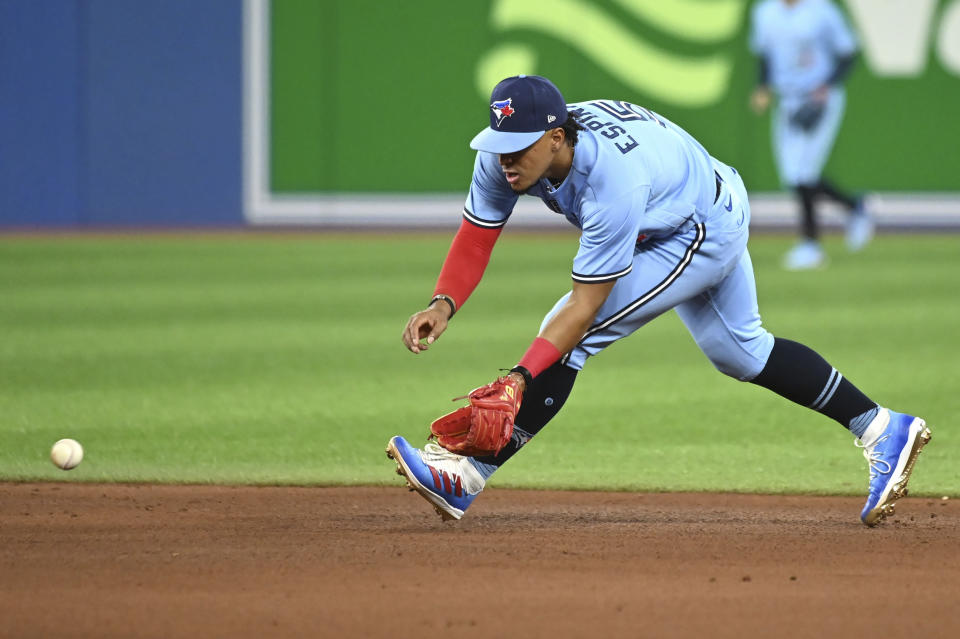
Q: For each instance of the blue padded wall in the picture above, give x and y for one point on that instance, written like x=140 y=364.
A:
x=165 y=117
x=39 y=113
x=120 y=113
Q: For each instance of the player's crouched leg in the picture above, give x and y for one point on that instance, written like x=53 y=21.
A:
x=891 y=442
x=738 y=353
x=725 y=323
x=541 y=402
x=451 y=482
x=739 y=357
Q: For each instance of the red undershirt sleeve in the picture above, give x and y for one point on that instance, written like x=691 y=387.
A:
x=466 y=261
x=541 y=355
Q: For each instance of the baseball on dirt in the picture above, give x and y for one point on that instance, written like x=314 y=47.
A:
x=66 y=454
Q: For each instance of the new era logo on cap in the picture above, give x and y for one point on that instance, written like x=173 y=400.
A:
x=521 y=109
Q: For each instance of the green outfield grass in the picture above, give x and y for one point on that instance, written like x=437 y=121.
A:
x=276 y=359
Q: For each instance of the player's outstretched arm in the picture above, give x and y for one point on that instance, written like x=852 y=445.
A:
x=462 y=270
x=485 y=427
x=423 y=328
x=566 y=328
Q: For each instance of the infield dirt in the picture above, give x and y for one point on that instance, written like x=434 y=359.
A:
x=83 y=560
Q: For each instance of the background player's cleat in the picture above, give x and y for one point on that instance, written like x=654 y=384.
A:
x=448 y=481
x=804 y=256
x=890 y=445
x=860 y=227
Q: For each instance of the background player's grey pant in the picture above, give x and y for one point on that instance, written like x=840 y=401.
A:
x=801 y=154
x=705 y=273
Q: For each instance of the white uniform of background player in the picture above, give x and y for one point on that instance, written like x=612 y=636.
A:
x=806 y=50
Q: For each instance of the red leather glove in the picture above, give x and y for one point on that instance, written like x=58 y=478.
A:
x=485 y=426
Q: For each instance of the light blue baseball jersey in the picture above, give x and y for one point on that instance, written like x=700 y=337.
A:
x=635 y=175
x=801 y=42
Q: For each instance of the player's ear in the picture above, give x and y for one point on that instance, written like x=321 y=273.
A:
x=557 y=137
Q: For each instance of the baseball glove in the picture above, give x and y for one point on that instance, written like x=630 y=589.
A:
x=485 y=426
x=808 y=115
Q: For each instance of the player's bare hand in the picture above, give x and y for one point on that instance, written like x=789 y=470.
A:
x=760 y=100
x=424 y=328
x=821 y=93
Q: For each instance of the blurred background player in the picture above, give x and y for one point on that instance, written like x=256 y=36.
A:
x=806 y=50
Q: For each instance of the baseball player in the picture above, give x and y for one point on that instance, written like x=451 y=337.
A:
x=806 y=50
x=663 y=226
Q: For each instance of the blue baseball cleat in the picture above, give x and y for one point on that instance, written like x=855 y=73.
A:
x=890 y=445
x=446 y=480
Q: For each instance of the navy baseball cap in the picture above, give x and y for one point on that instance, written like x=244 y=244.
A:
x=521 y=109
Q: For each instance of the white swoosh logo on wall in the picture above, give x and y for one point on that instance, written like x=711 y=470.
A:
x=681 y=80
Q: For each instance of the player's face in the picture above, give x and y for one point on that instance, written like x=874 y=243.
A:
x=524 y=168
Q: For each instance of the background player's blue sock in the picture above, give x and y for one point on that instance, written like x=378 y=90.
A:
x=544 y=399
x=801 y=375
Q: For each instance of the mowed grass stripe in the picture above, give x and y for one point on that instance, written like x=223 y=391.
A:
x=277 y=359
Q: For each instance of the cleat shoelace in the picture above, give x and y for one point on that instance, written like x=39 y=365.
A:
x=433 y=452
x=873 y=458
x=436 y=456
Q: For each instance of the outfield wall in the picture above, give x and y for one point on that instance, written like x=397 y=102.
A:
x=321 y=112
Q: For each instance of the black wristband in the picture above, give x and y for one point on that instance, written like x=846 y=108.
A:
x=527 y=377
x=445 y=298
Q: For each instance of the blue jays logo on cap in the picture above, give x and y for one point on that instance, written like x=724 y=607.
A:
x=502 y=109
x=522 y=108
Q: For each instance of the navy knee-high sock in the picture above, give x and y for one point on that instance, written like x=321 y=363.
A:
x=801 y=375
x=543 y=400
